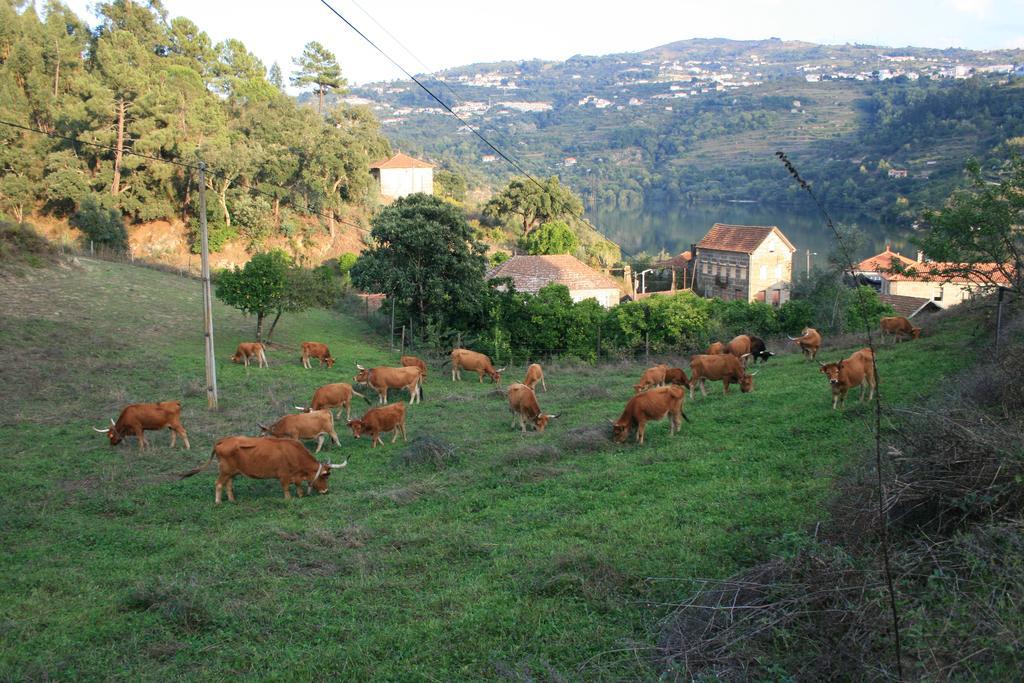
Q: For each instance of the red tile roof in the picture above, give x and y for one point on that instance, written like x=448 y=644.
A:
x=530 y=273
x=679 y=261
x=883 y=262
x=907 y=306
x=984 y=274
x=741 y=238
x=401 y=161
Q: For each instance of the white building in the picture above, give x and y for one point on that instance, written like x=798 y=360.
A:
x=403 y=175
x=530 y=273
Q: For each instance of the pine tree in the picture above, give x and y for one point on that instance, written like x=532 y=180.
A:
x=318 y=66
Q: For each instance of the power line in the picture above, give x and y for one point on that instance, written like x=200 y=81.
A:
x=304 y=204
x=512 y=162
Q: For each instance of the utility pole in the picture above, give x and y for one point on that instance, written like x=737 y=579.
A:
x=809 y=254
x=211 y=369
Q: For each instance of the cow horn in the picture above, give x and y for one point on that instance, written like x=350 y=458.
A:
x=744 y=355
x=751 y=374
x=501 y=369
x=337 y=467
x=112 y=423
x=792 y=338
x=552 y=416
x=101 y=431
x=360 y=367
x=300 y=408
x=610 y=421
x=821 y=364
x=263 y=427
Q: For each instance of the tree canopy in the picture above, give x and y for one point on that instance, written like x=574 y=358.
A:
x=424 y=257
x=534 y=203
x=318 y=66
x=553 y=237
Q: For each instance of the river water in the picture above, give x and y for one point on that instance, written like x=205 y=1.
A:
x=674 y=227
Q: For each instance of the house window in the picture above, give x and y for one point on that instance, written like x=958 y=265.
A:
x=938 y=294
x=778 y=272
x=742 y=273
x=705 y=267
x=764 y=272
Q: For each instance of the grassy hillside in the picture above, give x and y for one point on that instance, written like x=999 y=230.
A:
x=528 y=556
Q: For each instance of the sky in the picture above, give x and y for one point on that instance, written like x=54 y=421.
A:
x=447 y=33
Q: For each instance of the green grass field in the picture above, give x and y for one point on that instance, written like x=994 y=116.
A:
x=529 y=557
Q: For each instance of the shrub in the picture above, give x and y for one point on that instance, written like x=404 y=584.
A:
x=101 y=224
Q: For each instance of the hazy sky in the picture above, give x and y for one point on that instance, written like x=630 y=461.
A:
x=446 y=33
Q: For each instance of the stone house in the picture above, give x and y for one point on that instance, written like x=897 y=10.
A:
x=403 y=175
x=745 y=262
x=530 y=273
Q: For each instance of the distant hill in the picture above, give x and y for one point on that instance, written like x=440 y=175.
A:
x=700 y=119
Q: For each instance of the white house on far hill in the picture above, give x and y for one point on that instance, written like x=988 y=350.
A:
x=402 y=175
x=530 y=273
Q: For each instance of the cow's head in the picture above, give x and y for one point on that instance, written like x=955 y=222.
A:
x=747 y=382
x=495 y=375
x=831 y=370
x=319 y=480
x=264 y=429
x=637 y=388
x=915 y=332
x=113 y=434
x=541 y=421
x=363 y=376
x=329 y=360
x=620 y=430
x=357 y=427
x=237 y=358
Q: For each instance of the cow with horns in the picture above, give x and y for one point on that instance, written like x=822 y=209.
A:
x=138 y=418
x=286 y=460
x=857 y=370
x=809 y=342
x=251 y=350
x=725 y=367
x=522 y=401
x=464 y=359
x=650 y=405
x=317 y=424
x=383 y=378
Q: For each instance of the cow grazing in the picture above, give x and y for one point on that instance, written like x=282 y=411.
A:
x=535 y=374
x=716 y=349
x=522 y=401
x=898 y=326
x=809 y=342
x=858 y=369
x=650 y=405
x=748 y=346
x=725 y=367
x=652 y=377
x=318 y=351
x=286 y=460
x=384 y=378
x=138 y=418
x=379 y=421
x=247 y=350
x=338 y=395
x=414 y=362
x=676 y=376
x=464 y=359
x=313 y=425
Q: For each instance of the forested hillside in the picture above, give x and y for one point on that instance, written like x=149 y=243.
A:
x=161 y=88
x=701 y=119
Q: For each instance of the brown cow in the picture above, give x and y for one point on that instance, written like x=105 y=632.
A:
x=137 y=418
x=247 y=350
x=535 y=374
x=286 y=460
x=858 y=369
x=716 y=349
x=809 y=342
x=314 y=425
x=377 y=421
x=337 y=395
x=384 y=378
x=676 y=376
x=652 y=377
x=725 y=367
x=414 y=362
x=464 y=359
x=897 y=326
x=316 y=350
x=522 y=401
x=747 y=346
x=650 y=405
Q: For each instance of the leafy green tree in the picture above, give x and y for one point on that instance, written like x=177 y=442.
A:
x=305 y=289
x=449 y=185
x=425 y=258
x=101 y=224
x=553 y=237
x=533 y=203
x=865 y=309
x=275 y=76
x=318 y=66
x=258 y=288
x=978 y=233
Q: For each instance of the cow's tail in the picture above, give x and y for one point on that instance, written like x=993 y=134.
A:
x=199 y=469
x=362 y=396
x=419 y=390
x=447 y=362
x=684 y=416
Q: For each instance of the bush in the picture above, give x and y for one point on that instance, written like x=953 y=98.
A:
x=254 y=219
x=100 y=224
x=555 y=237
x=865 y=309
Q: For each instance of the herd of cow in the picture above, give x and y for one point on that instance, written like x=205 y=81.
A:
x=278 y=453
